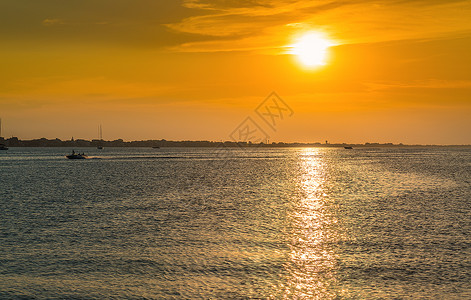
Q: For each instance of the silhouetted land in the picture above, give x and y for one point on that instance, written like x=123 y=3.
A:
x=43 y=142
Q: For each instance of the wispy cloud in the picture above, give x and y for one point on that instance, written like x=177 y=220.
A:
x=52 y=22
x=251 y=24
x=419 y=84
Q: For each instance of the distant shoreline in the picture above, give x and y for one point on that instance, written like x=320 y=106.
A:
x=43 y=142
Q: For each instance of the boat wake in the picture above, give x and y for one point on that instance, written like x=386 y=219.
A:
x=132 y=157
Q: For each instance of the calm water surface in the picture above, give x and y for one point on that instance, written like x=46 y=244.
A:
x=318 y=223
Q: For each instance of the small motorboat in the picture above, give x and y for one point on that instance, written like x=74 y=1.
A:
x=155 y=147
x=76 y=155
x=348 y=147
x=3 y=147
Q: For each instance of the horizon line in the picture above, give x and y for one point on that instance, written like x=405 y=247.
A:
x=92 y=142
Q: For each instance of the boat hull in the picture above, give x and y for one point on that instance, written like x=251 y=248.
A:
x=76 y=156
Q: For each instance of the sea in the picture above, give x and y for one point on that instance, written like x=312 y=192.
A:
x=227 y=223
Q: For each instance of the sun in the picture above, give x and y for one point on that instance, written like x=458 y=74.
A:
x=311 y=49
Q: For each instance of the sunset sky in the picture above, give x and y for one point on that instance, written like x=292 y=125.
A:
x=395 y=71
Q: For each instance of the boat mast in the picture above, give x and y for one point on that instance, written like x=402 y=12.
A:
x=100 y=133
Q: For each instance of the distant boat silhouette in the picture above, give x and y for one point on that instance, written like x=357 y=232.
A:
x=76 y=155
x=348 y=147
x=156 y=147
x=100 y=147
x=2 y=146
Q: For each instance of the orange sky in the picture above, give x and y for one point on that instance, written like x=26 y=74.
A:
x=400 y=71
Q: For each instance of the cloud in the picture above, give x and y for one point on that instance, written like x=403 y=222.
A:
x=121 y=23
x=271 y=23
x=419 y=84
x=52 y=22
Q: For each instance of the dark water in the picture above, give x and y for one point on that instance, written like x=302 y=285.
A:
x=262 y=223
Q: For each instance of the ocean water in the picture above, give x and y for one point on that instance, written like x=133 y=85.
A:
x=190 y=223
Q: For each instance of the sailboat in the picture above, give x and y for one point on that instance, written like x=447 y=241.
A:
x=2 y=146
x=100 y=133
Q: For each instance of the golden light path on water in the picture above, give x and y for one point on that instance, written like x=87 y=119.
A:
x=312 y=270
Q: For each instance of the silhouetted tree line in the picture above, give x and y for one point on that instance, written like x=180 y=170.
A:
x=43 y=142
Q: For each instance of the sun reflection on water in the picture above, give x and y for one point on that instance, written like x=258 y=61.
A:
x=312 y=260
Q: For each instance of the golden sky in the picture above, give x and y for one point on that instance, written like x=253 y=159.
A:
x=397 y=71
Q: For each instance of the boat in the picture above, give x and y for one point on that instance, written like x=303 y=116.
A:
x=348 y=147
x=2 y=146
x=76 y=155
x=155 y=147
x=100 y=147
